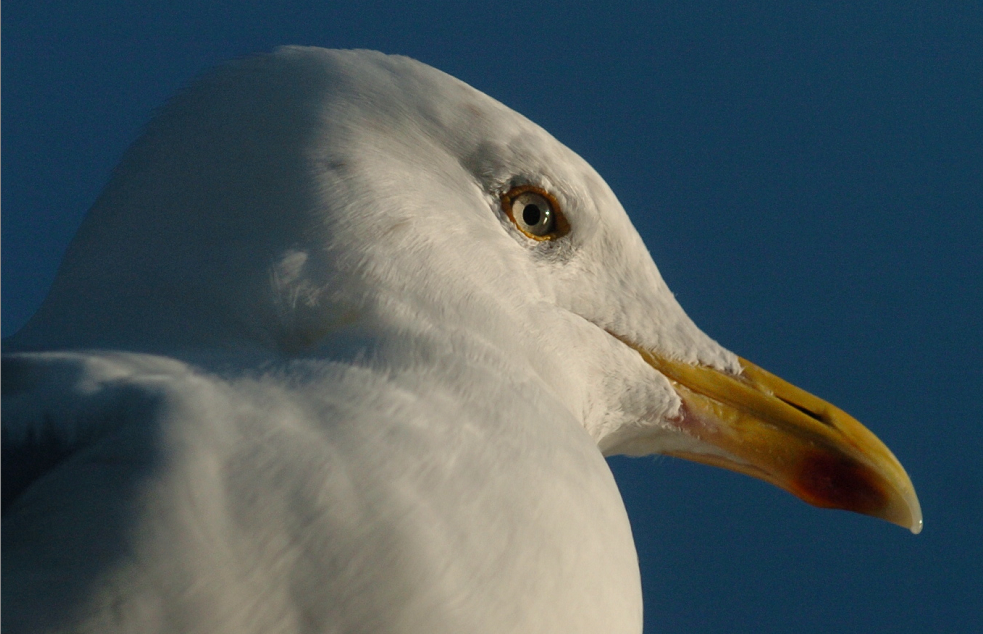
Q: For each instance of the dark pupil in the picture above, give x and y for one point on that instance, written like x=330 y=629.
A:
x=531 y=215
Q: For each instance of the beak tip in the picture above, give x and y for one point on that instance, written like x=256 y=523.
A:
x=915 y=510
x=881 y=489
x=901 y=506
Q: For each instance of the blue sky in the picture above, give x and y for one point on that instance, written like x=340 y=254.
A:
x=808 y=177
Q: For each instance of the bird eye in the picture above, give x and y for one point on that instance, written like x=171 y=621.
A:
x=534 y=212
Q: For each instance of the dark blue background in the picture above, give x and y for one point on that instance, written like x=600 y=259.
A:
x=808 y=177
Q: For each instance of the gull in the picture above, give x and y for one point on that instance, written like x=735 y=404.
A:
x=342 y=347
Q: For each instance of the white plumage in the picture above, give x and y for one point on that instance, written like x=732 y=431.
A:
x=300 y=372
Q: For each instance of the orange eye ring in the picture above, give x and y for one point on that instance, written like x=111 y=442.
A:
x=540 y=217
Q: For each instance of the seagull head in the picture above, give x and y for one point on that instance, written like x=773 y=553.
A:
x=300 y=202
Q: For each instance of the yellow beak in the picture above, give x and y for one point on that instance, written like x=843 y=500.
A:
x=763 y=426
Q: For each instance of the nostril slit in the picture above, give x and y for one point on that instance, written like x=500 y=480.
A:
x=808 y=412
